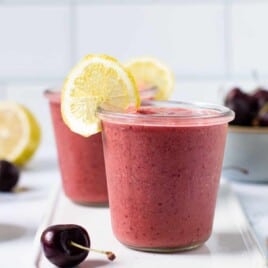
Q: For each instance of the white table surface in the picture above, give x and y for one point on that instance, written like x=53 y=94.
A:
x=254 y=201
x=231 y=243
x=23 y=212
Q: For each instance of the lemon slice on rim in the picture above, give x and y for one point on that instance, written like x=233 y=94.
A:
x=96 y=81
x=19 y=133
x=150 y=73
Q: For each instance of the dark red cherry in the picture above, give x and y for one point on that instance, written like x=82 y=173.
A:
x=67 y=245
x=244 y=105
x=56 y=242
x=261 y=94
x=9 y=176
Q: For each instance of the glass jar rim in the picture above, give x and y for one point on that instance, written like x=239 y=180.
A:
x=202 y=113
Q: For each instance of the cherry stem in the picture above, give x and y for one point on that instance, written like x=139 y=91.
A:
x=110 y=255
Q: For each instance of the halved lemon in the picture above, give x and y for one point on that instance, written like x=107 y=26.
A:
x=149 y=74
x=19 y=133
x=96 y=81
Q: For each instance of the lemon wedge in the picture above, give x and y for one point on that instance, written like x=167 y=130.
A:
x=96 y=81
x=19 y=133
x=150 y=73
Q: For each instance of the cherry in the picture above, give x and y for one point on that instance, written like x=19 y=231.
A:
x=250 y=109
x=9 y=176
x=244 y=105
x=67 y=245
x=261 y=95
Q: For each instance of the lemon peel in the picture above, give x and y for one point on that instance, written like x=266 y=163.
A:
x=96 y=81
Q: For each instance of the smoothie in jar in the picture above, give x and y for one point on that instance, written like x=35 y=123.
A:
x=163 y=166
x=80 y=160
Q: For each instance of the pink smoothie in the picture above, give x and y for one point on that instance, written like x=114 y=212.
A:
x=80 y=160
x=163 y=176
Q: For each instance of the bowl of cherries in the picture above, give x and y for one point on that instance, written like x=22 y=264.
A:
x=246 y=151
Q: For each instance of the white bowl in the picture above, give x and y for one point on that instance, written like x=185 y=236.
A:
x=246 y=154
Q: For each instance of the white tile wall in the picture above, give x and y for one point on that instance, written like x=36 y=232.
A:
x=201 y=40
x=201 y=91
x=249 y=38
x=35 y=41
x=187 y=37
x=205 y=39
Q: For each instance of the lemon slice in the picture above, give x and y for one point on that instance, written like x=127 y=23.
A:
x=96 y=81
x=19 y=133
x=150 y=73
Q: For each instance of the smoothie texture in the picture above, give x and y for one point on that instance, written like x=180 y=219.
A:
x=163 y=176
x=80 y=159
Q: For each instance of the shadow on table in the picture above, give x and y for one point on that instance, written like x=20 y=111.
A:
x=222 y=243
x=23 y=193
x=93 y=263
x=202 y=250
x=41 y=164
x=227 y=243
x=10 y=232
